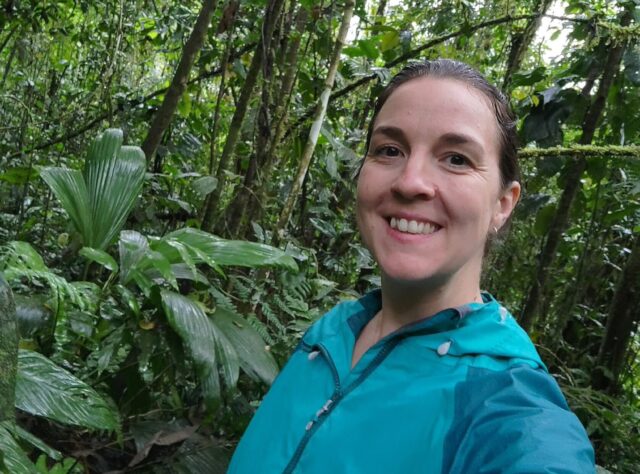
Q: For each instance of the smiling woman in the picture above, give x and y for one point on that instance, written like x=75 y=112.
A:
x=427 y=374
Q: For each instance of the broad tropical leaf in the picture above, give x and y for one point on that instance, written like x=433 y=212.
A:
x=35 y=442
x=254 y=357
x=193 y=326
x=12 y=457
x=8 y=351
x=208 y=346
x=132 y=246
x=43 y=388
x=99 y=199
x=229 y=252
x=101 y=257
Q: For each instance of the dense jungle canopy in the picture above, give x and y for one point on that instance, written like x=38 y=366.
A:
x=177 y=206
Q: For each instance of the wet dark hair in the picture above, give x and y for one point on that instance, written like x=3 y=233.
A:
x=450 y=69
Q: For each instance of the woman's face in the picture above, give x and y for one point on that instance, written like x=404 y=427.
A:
x=429 y=190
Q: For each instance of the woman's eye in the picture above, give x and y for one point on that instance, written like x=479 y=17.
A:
x=388 y=151
x=457 y=160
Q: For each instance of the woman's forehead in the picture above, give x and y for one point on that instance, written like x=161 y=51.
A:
x=442 y=105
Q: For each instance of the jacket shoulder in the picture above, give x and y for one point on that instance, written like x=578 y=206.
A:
x=515 y=421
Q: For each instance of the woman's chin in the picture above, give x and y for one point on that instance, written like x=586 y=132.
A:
x=410 y=277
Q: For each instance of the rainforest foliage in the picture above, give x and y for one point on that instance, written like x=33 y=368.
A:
x=177 y=206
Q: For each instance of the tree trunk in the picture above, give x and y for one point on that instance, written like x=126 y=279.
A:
x=521 y=41
x=211 y=205
x=622 y=321
x=235 y=211
x=178 y=85
x=229 y=26
x=318 y=119
x=8 y=352
x=577 y=166
x=246 y=205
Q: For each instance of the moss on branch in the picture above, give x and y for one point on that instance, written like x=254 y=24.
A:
x=584 y=151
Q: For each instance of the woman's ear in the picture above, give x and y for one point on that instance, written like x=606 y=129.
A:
x=506 y=203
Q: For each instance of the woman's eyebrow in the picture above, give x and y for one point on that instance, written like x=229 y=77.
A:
x=461 y=139
x=390 y=131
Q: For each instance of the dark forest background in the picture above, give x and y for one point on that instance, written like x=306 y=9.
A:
x=176 y=207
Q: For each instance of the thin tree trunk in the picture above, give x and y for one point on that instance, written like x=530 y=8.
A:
x=5 y=41
x=7 y=66
x=178 y=85
x=221 y=92
x=211 y=205
x=8 y=352
x=235 y=211
x=318 y=119
x=577 y=166
x=621 y=323
x=521 y=41
x=248 y=204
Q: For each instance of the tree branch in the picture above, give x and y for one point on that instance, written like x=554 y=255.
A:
x=583 y=151
x=122 y=106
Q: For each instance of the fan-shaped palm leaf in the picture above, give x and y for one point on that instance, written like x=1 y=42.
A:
x=99 y=199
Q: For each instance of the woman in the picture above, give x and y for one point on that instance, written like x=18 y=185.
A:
x=427 y=374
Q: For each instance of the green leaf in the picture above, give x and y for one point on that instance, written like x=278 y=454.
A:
x=99 y=199
x=19 y=175
x=204 y=185
x=193 y=326
x=22 y=261
x=543 y=220
x=529 y=78
x=23 y=255
x=44 y=389
x=71 y=190
x=191 y=457
x=36 y=443
x=163 y=266
x=114 y=181
x=129 y=298
x=12 y=457
x=369 y=48
x=353 y=52
x=132 y=247
x=101 y=257
x=233 y=252
x=389 y=40
x=254 y=357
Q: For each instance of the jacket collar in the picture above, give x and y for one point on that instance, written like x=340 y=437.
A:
x=476 y=329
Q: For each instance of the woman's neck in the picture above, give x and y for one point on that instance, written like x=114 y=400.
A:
x=404 y=303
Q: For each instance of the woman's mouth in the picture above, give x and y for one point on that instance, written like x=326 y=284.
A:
x=413 y=226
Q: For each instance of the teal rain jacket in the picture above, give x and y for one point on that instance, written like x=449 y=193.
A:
x=462 y=392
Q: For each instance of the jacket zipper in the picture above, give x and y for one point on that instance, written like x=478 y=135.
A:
x=338 y=394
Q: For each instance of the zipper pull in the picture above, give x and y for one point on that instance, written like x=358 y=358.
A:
x=324 y=409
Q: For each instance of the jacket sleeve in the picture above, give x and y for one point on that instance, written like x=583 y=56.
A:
x=515 y=421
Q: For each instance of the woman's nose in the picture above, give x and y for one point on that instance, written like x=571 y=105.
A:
x=416 y=180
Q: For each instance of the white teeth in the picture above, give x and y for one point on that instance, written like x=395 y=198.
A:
x=412 y=227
